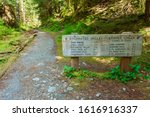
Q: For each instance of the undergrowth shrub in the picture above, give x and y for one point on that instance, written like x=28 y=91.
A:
x=4 y=30
x=56 y=26
x=124 y=77
x=78 y=27
x=71 y=72
x=52 y=25
x=115 y=74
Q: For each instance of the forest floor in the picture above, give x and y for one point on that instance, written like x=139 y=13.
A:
x=38 y=74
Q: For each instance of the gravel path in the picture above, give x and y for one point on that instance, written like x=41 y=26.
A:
x=35 y=74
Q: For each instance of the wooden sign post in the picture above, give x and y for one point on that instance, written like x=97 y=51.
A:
x=75 y=62
x=113 y=45
x=124 y=63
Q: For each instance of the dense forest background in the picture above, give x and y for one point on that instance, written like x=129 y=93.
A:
x=36 y=12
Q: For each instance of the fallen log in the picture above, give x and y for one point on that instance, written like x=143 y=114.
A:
x=7 y=52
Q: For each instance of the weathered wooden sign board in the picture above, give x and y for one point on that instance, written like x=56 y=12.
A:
x=124 y=45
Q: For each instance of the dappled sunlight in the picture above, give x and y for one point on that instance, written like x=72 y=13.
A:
x=145 y=31
x=59 y=57
x=107 y=60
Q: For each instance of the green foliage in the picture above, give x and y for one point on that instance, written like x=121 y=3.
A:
x=78 y=27
x=147 y=67
x=52 y=25
x=147 y=70
x=32 y=13
x=147 y=77
x=1 y=22
x=56 y=27
x=135 y=68
x=115 y=74
x=3 y=60
x=124 y=77
x=71 y=72
x=4 y=30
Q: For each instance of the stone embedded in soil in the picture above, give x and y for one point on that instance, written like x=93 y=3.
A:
x=51 y=89
x=23 y=54
x=57 y=85
x=36 y=79
x=26 y=77
x=40 y=64
x=65 y=91
x=133 y=89
x=65 y=84
x=70 y=88
x=76 y=84
x=82 y=98
x=44 y=81
x=41 y=72
x=77 y=97
x=91 y=79
x=34 y=75
x=124 y=89
x=37 y=86
x=62 y=73
x=98 y=94
x=84 y=63
x=48 y=67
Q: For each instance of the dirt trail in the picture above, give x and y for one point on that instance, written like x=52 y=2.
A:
x=36 y=75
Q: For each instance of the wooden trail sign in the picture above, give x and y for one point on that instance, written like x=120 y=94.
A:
x=120 y=45
x=102 y=45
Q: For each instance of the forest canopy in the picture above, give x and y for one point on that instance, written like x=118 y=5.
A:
x=31 y=12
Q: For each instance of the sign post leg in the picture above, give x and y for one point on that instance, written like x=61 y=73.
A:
x=75 y=62
x=124 y=64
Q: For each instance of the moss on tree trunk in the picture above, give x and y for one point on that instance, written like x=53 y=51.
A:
x=8 y=15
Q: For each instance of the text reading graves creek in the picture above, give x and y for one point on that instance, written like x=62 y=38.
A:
x=102 y=45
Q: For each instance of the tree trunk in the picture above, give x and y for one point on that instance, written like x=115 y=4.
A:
x=17 y=11
x=22 y=12
x=147 y=10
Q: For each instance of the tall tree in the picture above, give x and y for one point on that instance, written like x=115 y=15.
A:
x=147 y=10
x=22 y=12
x=17 y=11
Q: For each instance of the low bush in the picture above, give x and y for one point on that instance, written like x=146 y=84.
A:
x=4 y=30
x=78 y=27
x=115 y=74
